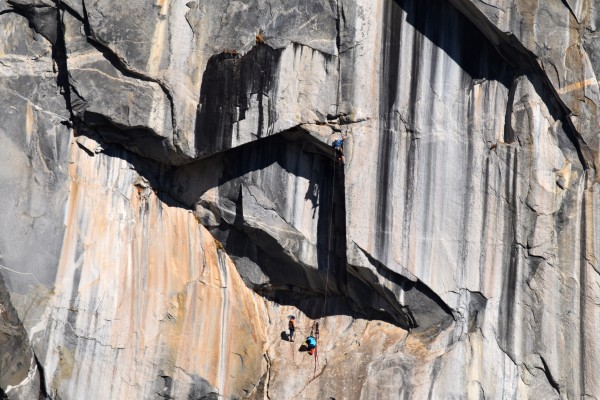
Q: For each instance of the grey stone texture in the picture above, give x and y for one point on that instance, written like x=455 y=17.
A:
x=170 y=197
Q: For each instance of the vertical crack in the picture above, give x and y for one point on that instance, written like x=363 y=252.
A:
x=566 y=3
x=43 y=392
x=59 y=55
x=338 y=41
x=549 y=376
x=509 y=133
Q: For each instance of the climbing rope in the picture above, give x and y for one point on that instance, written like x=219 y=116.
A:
x=314 y=331
x=316 y=350
x=294 y=356
x=329 y=240
x=316 y=323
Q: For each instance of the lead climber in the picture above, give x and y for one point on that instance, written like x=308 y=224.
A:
x=311 y=344
x=292 y=326
x=338 y=146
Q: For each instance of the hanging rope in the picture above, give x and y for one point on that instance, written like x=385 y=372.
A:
x=329 y=240
x=314 y=331
x=292 y=348
x=316 y=349
x=316 y=323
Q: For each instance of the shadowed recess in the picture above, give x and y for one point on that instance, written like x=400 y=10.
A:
x=227 y=84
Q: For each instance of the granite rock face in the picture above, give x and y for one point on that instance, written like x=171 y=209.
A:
x=170 y=197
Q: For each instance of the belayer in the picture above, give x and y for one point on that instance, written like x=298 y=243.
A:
x=311 y=344
x=292 y=326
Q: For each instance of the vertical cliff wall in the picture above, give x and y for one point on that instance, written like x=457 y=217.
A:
x=170 y=197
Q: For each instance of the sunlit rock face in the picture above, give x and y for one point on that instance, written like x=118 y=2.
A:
x=132 y=254
x=170 y=197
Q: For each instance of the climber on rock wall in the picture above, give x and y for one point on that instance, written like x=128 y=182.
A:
x=338 y=146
